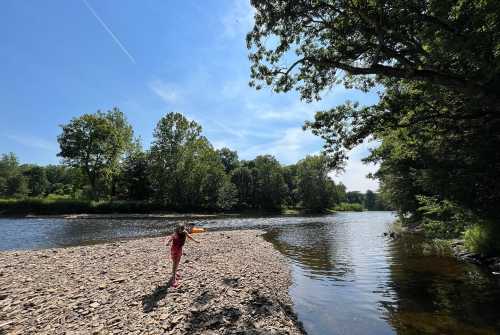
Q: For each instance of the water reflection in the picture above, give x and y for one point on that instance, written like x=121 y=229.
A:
x=36 y=233
x=438 y=295
x=55 y=232
x=348 y=278
x=309 y=246
x=337 y=270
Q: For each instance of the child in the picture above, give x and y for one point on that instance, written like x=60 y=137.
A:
x=178 y=238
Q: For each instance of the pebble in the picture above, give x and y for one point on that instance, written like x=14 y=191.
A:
x=121 y=288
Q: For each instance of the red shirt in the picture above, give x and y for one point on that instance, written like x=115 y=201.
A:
x=178 y=241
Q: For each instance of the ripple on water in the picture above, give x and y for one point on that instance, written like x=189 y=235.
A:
x=348 y=278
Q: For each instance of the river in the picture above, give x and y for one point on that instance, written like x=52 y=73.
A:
x=348 y=277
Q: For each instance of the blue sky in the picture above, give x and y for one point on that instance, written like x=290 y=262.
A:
x=64 y=58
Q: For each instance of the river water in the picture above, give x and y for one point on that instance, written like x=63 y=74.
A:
x=348 y=278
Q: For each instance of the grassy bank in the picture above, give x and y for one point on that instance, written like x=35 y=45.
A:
x=62 y=206
x=36 y=206
x=348 y=207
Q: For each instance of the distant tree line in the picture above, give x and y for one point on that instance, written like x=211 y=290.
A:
x=180 y=171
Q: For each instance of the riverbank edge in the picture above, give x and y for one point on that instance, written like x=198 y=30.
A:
x=456 y=248
x=246 y=292
x=41 y=207
x=461 y=253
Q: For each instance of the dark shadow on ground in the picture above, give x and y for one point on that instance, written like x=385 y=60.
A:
x=207 y=315
x=150 y=301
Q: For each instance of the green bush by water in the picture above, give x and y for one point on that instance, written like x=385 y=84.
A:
x=444 y=219
x=483 y=239
x=347 y=207
x=72 y=206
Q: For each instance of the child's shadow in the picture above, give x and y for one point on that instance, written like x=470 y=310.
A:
x=150 y=301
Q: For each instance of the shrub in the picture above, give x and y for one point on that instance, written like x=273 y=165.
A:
x=72 y=206
x=348 y=207
x=444 y=218
x=483 y=239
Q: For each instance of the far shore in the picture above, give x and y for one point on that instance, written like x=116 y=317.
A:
x=231 y=283
x=168 y=215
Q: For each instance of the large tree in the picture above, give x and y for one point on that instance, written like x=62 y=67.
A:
x=95 y=143
x=229 y=159
x=12 y=182
x=135 y=180
x=243 y=178
x=37 y=180
x=9 y=166
x=438 y=118
x=269 y=186
x=315 y=188
x=370 y=200
x=314 y=44
x=187 y=172
x=172 y=135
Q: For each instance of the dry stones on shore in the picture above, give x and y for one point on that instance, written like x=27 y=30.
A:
x=231 y=283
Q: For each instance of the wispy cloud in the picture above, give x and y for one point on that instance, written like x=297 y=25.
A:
x=356 y=171
x=166 y=91
x=33 y=142
x=289 y=146
x=108 y=30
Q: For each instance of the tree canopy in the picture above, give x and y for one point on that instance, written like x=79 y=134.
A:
x=95 y=143
x=436 y=67
x=314 y=45
x=181 y=170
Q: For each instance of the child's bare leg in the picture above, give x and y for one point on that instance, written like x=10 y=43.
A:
x=175 y=265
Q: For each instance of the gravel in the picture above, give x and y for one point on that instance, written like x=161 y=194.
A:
x=231 y=283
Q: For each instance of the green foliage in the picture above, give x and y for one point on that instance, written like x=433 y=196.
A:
x=443 y=219
x=227 y=196
x=181 y=171
x=37 y=181
x=173 y=134
x=318 y=44
x=370 y=200
x=348 y=207
x=260 y=184
x=483 y=239
x=9 y=167
x=355 y=197
x=438 y=117
x=315 y=188
x=16 y=186
x=269 y=187
x=242 y=178
x=58 y=205
x=95 y=143
x=229 y=159
x=186 y=171
x=340 y=190
x=134 y=182
x=292 y=197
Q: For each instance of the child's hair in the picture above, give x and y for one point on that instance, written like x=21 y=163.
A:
x=180 y=231
x=180 y=228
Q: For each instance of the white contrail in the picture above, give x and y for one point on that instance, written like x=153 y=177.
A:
x=117 y=41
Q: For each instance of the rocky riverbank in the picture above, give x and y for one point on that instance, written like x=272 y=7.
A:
x=492 y=263
x=231 y=283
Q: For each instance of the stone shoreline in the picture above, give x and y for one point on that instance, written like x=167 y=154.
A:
x=231 y=283
x=459 y=251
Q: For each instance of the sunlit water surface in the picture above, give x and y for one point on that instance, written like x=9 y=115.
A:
x=348 y=277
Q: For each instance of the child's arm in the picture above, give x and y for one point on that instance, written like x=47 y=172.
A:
x=169 y=240
x=191 y=238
